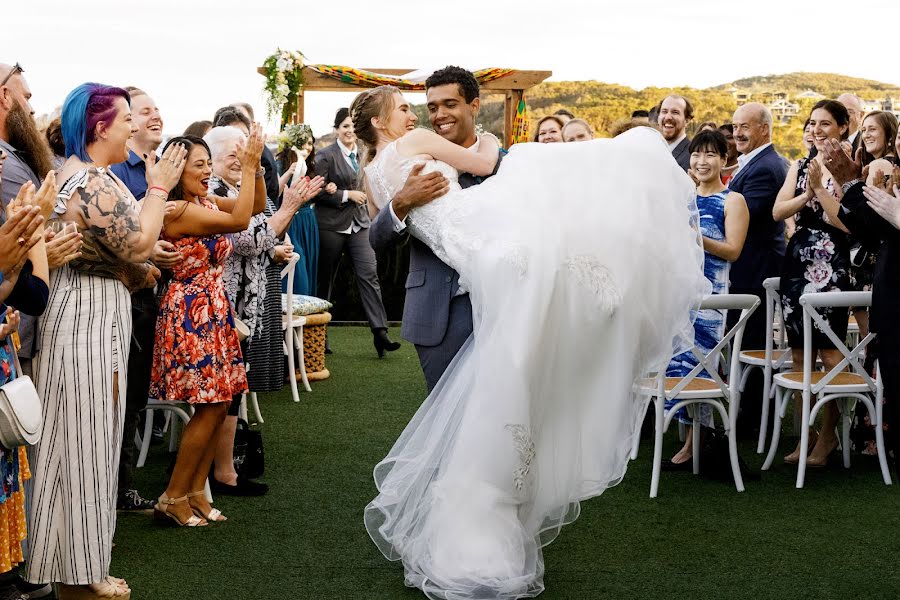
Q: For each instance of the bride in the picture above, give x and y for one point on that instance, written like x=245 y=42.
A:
x=582 y=266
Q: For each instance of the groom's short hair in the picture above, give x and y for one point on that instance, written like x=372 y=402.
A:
x=468 y=85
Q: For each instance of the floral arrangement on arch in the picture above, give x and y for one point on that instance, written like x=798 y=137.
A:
x=295 y=136
x=284 y=79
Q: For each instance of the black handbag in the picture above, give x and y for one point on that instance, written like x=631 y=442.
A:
x=249 y=457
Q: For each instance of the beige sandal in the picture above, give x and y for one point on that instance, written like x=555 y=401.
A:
x=111 y=588
x=215 y=515
x=161 y=512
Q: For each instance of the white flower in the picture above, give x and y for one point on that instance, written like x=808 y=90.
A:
x=282 y=64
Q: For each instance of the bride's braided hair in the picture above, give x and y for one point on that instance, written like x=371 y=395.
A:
x=376 y=102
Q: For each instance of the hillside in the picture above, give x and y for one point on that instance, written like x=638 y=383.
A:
x=603 y=104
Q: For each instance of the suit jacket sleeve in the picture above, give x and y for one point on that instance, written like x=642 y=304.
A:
x=325 y=167
x=381 y=232
x=760 y=192
x=864 y=223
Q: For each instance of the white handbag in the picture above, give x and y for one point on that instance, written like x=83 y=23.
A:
x=21 y=414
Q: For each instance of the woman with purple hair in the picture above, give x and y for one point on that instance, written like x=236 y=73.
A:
x=80 y=371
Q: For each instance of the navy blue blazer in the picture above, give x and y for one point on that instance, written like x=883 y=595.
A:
x=759 y=181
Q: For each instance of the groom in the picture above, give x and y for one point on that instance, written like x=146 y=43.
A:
x=437 y=316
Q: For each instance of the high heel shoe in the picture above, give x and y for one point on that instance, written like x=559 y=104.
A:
x=161 y=512
x=818 y=463
x=794 y=457
x=215 y=515
x=383 y=343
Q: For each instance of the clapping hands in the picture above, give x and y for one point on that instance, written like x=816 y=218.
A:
x=249 y=152
x=885 y=204
x=302 y=191
x=166 y=172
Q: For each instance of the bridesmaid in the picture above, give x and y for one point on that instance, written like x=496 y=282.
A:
x=724 y=219
x=817 y=258
x=197 y=356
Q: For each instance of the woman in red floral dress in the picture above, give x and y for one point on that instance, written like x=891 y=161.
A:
x=197 y=357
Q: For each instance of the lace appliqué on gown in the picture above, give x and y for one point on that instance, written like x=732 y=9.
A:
x=524 y=445
x=597 y=278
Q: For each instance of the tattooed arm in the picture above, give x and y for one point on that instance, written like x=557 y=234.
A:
x=115 y=219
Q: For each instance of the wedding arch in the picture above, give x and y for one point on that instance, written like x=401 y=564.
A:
x=288 y=80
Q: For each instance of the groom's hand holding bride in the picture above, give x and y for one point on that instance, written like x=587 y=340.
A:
x=419 y=190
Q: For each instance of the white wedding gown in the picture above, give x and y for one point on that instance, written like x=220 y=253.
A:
x=582 y=266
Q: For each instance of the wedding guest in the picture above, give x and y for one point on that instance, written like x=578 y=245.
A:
x=81 y=373
x=724 y=219
x=675 y=113
x=818 y=257
x=198 y=128
x=549 y=130
x=229 y=115
x=564 y=115
x=708 y=126
x=577 y=130
x=23 y=286
x=53 y=133
x=344 y=221
x=253 y=285
x=731 y=161
x=873 y=216
x=854 y=108
x=197 y=357
x=142 y=146
x=28 y=159
x=273 y=192
x=759 y=177
x=304 y=229
x=641 y=115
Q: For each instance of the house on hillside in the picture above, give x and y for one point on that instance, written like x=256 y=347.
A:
x=809 y=95
x=870 y=105
x=892 y=105
x=741 y=97
x=784 y=110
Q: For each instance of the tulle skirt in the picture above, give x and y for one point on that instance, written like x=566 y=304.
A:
x=583 y=263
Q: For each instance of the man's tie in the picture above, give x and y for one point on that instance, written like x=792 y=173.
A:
x=353 y=162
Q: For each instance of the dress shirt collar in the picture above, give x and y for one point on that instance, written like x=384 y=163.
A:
x=743 y=159
x=673 y=145
x=346 y=151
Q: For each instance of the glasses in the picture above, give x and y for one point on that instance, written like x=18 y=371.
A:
x=16 y=69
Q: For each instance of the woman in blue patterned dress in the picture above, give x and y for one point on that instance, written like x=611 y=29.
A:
x=724 y=219
x=817 y=259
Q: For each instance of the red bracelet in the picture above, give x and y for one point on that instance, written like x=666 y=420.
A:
x=156 y=187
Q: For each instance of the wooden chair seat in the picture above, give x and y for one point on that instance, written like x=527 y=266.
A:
x=839 y=379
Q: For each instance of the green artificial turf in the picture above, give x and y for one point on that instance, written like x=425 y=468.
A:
x=837 y=538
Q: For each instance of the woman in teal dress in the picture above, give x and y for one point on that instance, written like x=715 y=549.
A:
x=303 y=230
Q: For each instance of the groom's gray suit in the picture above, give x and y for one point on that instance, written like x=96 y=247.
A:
x=436 y=318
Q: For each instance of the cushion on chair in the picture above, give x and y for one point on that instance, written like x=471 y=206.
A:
x=305 y=305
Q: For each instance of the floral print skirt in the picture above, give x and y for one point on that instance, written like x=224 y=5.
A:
x=816 y=260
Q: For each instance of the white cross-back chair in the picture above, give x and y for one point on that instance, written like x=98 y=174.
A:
x=838 y=384
x=293 y=331
x=692 y=389
x=775 y=357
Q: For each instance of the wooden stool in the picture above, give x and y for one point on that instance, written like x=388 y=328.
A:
x=314 y=333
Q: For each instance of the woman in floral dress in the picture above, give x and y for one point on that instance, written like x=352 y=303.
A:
x=197 y=356
x=817 y=259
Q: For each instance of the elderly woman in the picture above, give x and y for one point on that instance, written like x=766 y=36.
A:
x=80 y=370
x=253 y=285
x=549 y=130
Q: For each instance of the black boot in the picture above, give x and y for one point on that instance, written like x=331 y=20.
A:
x=383 y=342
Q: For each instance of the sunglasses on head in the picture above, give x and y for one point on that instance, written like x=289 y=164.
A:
x=16 y=69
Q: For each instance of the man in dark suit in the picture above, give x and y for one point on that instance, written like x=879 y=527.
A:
x=675 y=112
x=761 y=173
x=866 y=225
x=854 y=108
x=437 y=318
x=343 y=218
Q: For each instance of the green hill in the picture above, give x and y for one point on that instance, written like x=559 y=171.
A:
x=603 y=104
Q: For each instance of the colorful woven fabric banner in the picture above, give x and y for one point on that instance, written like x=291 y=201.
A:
x=520 y=123
x=370 y=79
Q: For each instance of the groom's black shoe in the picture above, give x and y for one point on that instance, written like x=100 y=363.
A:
x=383 y=342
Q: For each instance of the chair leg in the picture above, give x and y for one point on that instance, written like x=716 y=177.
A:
x=695 y=440
x=254 y=400
x=298 y=343
x=145 y=440
x=242 y=411
x=292 y=369
x=879 y=440
x=780 y=393
x=764 y=411
x=735 y=465
x=657 y=445
x=636 y=439
x=804 y=440
x=846 y=419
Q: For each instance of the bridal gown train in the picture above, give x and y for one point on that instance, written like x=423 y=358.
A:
x=582 y=265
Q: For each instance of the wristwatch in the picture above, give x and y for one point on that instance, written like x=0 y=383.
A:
x=845 y=187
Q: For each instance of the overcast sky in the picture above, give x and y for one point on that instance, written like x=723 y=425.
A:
x=193 y=56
